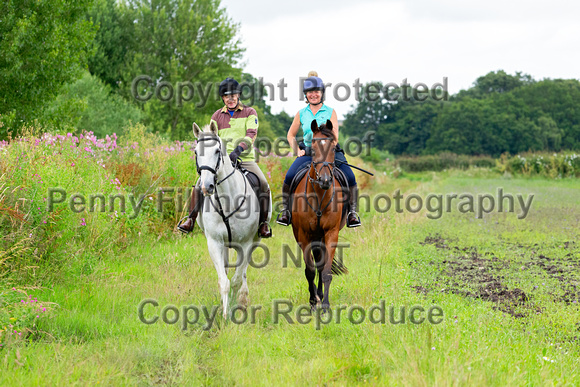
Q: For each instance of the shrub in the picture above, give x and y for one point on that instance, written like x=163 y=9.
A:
x=19 y=314
x=555 y=165
x=35 y=235
x=443 y=161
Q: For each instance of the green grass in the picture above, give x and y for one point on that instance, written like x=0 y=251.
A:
x=93 y=334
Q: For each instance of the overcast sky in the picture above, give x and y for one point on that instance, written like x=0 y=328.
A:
x=423 y=41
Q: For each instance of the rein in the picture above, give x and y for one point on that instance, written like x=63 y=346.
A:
x=331 y=167
x=219 y=208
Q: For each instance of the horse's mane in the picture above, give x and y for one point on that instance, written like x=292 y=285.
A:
x=327 y=132
x=206 y=129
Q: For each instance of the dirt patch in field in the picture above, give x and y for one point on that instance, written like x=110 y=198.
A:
x=472 y=274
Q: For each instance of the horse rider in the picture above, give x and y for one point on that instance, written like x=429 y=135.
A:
x=238 y=124
x=313 y=89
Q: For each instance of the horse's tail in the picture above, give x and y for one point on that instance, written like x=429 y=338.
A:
x=338 y=267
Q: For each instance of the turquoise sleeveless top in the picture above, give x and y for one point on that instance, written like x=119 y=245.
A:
x=306 y=118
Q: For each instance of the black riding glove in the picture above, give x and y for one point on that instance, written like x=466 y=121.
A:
x=236 y=153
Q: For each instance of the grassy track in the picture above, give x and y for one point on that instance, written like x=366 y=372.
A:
x=94 y=335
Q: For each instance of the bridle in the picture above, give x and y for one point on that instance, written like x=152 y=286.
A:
x=214 y=171
x=331 y=167
x=325 y=164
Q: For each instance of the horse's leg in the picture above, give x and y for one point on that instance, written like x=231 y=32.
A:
x=239 y=280
x=310 y=268
x=310 y=273
x=320 y=293
x=236 y=281
x=218 y=252
x=319 y=259
x=330 y=241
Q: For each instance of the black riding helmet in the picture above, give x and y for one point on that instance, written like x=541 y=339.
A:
x=229 y=86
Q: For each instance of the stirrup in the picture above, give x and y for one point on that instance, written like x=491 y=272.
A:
x=269 y=235
x=289 y=217
x=180 y=223
x=357 y=222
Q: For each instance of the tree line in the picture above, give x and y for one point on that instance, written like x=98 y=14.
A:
x=70 y=66
x=499 y=113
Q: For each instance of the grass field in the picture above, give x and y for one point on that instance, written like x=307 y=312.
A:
x=508 y=289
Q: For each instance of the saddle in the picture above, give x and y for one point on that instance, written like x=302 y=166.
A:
x=252 y=179
x=338 y=175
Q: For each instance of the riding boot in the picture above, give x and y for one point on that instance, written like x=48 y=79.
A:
x=353 y=219
x=194 y=205
x=264 y=228
x=285 y=217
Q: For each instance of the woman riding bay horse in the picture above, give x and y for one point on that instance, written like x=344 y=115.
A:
x=313 y=89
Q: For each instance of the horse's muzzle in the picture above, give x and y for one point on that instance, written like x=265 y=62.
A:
x=325 y=183
x=207 y=190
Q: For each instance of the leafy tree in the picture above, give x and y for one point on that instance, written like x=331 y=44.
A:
x=401 y=126
x=280 y=122
x=89 y=104
x=369 y=115
x=496 y=82
x=551 y=135
x=113 y=40
x=178 y=41
x=43 y=45
x=500 y=113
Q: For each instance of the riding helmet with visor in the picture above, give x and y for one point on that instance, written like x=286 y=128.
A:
x=313 y=83
x=229 y=86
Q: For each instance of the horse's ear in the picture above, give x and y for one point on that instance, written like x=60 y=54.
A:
x=328 y=124
x=196 y=130
x=213 y=127
x=314 y=126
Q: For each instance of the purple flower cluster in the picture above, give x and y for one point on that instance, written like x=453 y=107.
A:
x=14 y=328
x=180 y=146
x=109 y=143
x=89 y=143
x=116 y=183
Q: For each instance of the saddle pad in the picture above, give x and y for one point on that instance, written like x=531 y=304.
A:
x=338 y=175
x=253 y=180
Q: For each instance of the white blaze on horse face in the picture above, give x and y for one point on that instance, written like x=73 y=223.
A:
x=323 y=142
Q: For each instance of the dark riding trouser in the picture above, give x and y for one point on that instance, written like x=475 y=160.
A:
x=339 y=159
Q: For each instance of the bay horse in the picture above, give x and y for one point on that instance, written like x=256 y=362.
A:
x=318 y=214
x=230 y=220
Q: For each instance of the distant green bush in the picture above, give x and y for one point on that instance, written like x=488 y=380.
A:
x=89 y=104
x=443 y=161
x=554 y=165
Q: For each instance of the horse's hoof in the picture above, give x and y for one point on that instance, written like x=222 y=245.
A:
x=243 y=303
x=243 y=300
